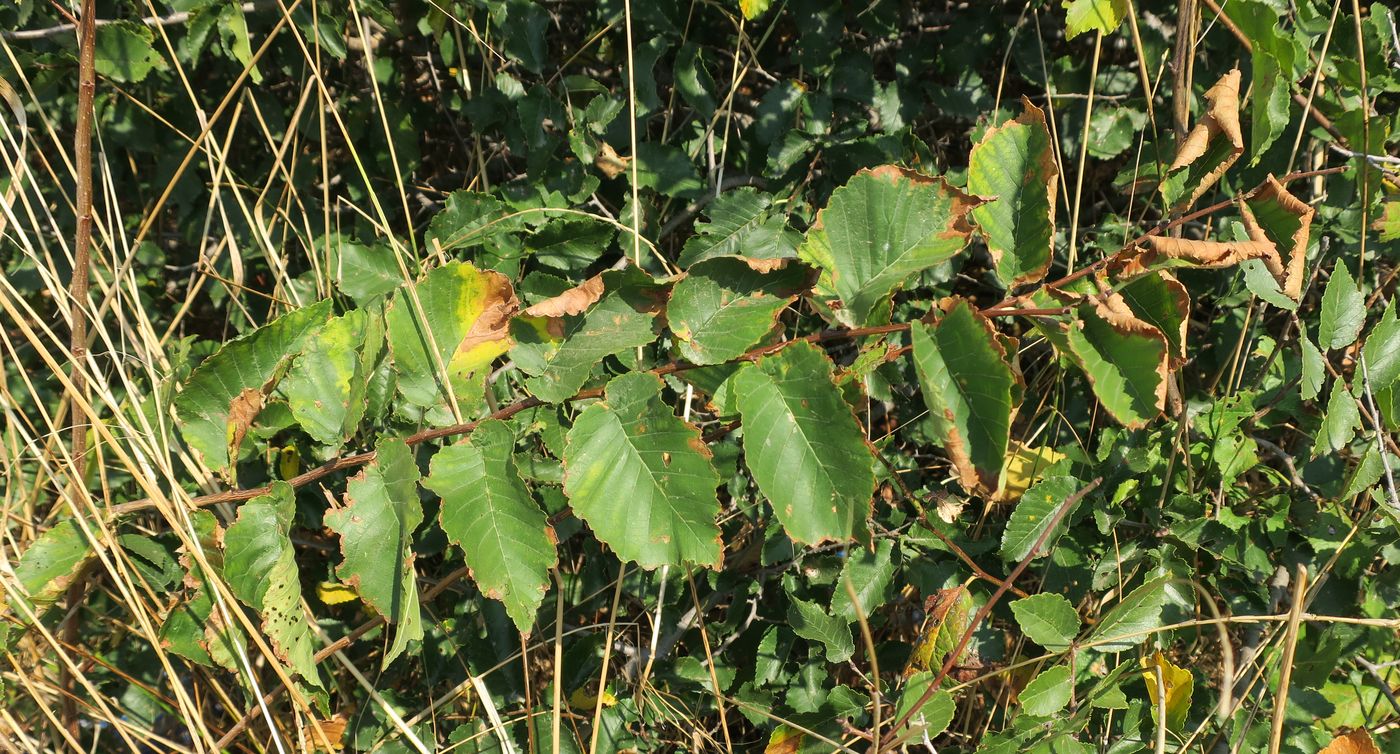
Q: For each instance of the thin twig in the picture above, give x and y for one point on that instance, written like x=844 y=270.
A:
x=173 y=19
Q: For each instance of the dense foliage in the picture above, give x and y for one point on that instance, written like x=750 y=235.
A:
x=798 y=376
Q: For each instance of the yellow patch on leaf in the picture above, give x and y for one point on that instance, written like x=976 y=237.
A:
x=334 y=592
x=583 y=699
x=1025 y=465
x=785 y=740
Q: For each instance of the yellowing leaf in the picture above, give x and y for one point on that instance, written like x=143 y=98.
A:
x=948 y=614
x=785 y=740
x=1177 y=683
x=753 y=8
x=333 y=730
x=288 y=462
x=334 y=592
x=1355 y=742
x=1024 y=465
x=583 y=699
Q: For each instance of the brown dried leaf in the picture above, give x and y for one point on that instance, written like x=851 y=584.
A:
x=610 y=162
x=242 y=410
x=576 y=300
x=1355 y=742
x=333 y=729
x=1218 y=130
x=1205 y=253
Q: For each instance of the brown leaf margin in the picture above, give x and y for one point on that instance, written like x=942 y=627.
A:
x=1222 y=119
x=1031 y=117
x=1289 y=260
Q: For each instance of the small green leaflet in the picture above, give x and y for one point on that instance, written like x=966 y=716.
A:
x=869 y=573
x=1314 y=368
x=1343 y=310
x=642 y=478
x=812 y=623
x=488 y=512
x=935 y=714
x=1131 y=620
x=1340 y=423
x=1033 y=514
x=803 y=445
x=325 y=386
x=1382 y=351
x=1048 y=620
x=1093 y=15
x=971 y=390
x=740 y=223
x=376 y=539
x=261 y=570
x=1048 y=692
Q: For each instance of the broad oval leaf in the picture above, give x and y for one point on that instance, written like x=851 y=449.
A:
x=488 y=512
x=461 y=328
x=247 y=364
x=1102 y=16
x=376 y=539
x=642 y=478
x=722 y=307
x=1343 y=310
x=1048 y=620
x=325 y=387
x=869 y=573
x=1014 y=164
x=803 y=445
x=1048 y=692
x=261 y=570
x=970 y=388
x=881 y=230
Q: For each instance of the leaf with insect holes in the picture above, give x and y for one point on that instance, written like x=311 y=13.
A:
x=642 y=478
x=1014 y=164
x=376 y=539
x=722 y=307
x=221 y=382
x=970 y=388
x=450 y=343
x=879 y=231
x=261 y=570
x=803 y=445
x=488 y=512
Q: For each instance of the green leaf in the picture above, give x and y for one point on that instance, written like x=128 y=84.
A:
x=754 y=8
x=376 y=539
x=1048 y=620
x=970 y=388
x=1343 y=310
x=869 y=573
x=722 y=307
x=1314 y=368
x=261 y=570
x=1161 y=300
x=933 y=717
x=694 y=83
x=246 y=363
x=469 y=219
x=454 y=318
x=559 y=354
x=362 y=272
x=123 y=52
x=642 y=478
x=1093 y=15
x=1033 y=514
x=812 y=623
x=803 y=445
x=667 y=170
x=1340 y=423
x=1014 y=164
x=569 y=245
x=325 y=387
x=1129 y=623
x=882 y=229
x=194 y=629
x=488 y=512
x=740 y=223
x=1382 y=350
x=51 y=561
x=1048 y=692
x=1125 y=359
